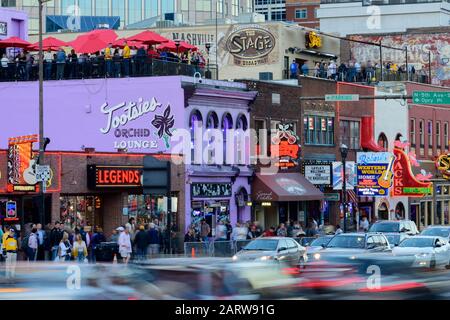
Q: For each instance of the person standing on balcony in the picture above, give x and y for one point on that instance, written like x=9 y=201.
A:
x=60 y=64
x=108 y=60
x=305 y=69
x=48 y=60
x=126 y=54
x=294 y=70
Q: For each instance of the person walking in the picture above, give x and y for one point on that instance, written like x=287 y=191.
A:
x=282 y=231
x=239 y=232
x=115 y=236
x=10 y=247
x=32 y=247
x=55 y=238
x=153 y=235
x=364 y=224
x=205 y=229
x=141 y=241
x=125 y=248
x=41 y=237
x=65 y=249
x=80 y=251
x=97 y=238
x=221 y=232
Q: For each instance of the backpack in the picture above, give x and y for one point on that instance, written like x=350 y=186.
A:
x=24 y=243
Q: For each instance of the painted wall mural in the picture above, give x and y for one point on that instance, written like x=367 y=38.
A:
x=419 y=45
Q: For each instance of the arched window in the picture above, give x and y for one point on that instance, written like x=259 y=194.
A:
x=242 y=123
x=195 y=121
x=383 y=142
x=227 y=124
x=241 y=198
x=241 y=128
x=212 y=121
x=400 y=211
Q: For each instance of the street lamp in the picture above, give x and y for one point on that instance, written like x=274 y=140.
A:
x=177 y=44
x=344 y=153
x=208 y=72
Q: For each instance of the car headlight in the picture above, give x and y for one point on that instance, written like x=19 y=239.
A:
x=265 y=258
x=316 y=256
x=422 y=255
x=234 y=258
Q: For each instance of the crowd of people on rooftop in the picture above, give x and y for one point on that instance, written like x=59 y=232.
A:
x=113 y=62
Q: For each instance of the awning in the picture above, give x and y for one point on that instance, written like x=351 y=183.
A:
x=318 y=53
x=284 y=187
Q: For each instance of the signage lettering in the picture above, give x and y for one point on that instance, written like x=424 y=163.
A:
x=443 y=164
x=318 y=174
x=114 y=176
x=313 y=40
x=250 y=46
x=405 y=184
x=374 y=173
x=3 y=28
x=211 y=190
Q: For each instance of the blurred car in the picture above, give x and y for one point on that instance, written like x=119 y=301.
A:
x=395 y=238
x=353 y=244
x=318 y=244
x=437 y=231
x=429 y=251
x=279 y=249
x=404 y=226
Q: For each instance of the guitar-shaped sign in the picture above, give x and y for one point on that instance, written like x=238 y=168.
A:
x=29 y=175
x=385 y=181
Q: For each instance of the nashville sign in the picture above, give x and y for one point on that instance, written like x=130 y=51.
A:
x=251 y=46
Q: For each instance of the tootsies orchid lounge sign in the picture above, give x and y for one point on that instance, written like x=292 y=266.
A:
x=139 y=115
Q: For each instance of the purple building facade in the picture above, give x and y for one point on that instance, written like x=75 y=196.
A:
x=13 y=23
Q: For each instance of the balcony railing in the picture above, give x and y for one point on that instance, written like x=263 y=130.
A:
x=100 y=68
x=367 y=77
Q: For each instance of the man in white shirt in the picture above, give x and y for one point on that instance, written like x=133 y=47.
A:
x=125 y=248
x=48 y=61
x=4 y=63
x=364 y=225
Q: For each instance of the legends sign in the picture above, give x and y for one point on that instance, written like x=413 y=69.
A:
x=114 y=176
x=251 y=46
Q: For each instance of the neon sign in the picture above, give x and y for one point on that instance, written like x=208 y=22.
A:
x=405 y=184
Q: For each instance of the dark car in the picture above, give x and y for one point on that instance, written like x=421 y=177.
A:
x=403 y=226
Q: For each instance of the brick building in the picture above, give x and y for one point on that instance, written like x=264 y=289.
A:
x=304 y=12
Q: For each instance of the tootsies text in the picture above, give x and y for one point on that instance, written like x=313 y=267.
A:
x=117 y=177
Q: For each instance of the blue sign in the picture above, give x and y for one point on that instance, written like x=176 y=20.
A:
x=11 y=210
x=375 y=174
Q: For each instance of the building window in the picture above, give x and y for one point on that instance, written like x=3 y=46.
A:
x=318 y=130
x=260 y=128
x=446 y=135
x=85 y=7
x=276 y=98
x=219 y=6
x=430 y=137
x=412 y=132
x=315 y=12
x=350 y=134
x=383 y=142
x=134 y=11
x=235 y=8
x=422 y=134
x=301 y=13
x=203 y=5
x=102 y=8
x=438 y=135
x=118 y=9
x=168 y=6
x=151 y=8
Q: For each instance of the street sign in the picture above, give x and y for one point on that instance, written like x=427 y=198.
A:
x=341 y=97
x=332 y=197
x=431 y=97
x=43 y=173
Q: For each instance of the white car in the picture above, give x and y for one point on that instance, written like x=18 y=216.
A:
x=428 y=251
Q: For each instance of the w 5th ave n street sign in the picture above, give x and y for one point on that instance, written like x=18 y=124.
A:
x=342 y=97
x=431 y=97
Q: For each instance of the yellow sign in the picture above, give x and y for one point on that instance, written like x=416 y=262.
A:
x=266 y=204
x=313 y=40
x=443 y=165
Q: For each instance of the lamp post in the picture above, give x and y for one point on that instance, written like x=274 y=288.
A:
x=344 y=153
x=208 y=72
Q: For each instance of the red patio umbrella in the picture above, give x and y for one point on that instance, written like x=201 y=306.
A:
x=14 y=42
x=93 y=41
x=148 y=37
x=51 y=43
x=121 y=43
x=171 y=46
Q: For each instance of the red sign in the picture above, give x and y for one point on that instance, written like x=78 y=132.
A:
x=114 y=176
x=405 y=184
x=285 y=146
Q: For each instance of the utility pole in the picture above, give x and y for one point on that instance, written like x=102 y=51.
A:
x=41 y=112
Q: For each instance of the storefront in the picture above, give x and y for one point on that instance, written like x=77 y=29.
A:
x=285 y=197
